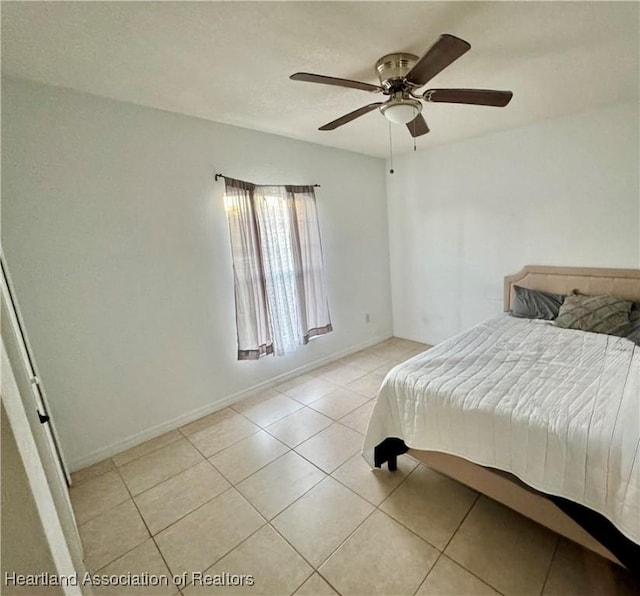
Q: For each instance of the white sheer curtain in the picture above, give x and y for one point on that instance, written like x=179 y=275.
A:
x=252 y=317
x=281 y=298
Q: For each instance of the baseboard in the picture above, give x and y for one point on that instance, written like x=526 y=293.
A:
x=159 y=429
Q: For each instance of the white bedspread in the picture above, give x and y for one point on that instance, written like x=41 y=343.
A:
x=560 y=409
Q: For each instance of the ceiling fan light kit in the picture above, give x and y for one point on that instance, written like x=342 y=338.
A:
x=401 y=111
x=401 y=75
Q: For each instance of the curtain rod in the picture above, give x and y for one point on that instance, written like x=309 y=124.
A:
x=314 y=185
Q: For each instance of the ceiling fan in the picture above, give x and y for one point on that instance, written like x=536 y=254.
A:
x=401 y=75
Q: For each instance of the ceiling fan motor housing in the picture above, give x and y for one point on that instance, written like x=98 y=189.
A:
x=393 y=68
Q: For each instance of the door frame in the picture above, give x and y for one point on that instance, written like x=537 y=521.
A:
x=57 y=539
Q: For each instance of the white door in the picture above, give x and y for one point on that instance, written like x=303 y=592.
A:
x=20 y=367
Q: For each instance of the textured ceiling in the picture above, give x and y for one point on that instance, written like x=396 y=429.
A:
x=230 y=61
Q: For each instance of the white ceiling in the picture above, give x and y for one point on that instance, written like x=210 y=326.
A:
x=230 y=61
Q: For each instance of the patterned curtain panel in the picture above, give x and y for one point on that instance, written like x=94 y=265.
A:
x=252 y=315
x=281 y=297
x=307 y=250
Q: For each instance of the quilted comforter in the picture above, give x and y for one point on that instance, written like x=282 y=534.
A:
x=558 y=408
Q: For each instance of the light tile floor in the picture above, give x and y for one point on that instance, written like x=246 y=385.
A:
x=275 y=486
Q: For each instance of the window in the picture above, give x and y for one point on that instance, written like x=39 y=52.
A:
x=281 y=299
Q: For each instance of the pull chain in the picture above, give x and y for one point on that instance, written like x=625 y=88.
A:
x=390 y=151
x=415 y=115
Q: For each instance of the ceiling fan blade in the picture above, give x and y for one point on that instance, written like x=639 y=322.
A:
x=480 y=97
x=350 y=116
x=442 y=53
x=315 y=78
x=418 y=126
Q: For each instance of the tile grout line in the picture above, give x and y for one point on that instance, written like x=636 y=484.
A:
x=484 y=581
x=86 y=521
x=433 y=546
x=150 y=536
x=397 y=520
x=353 y=429
x=174 y=522
x=267 y=521
x=297 y=498
x=553 y=558
x=289 y=449
x=475 y=501
x=187 y=437
x=179 y=428
x=182 y=516
x=322 y=578
x=239 y=543
x=153 y=536
x=347 y=412
x=181 y=434
x=440 y=552
x=75 y=484
x=148 y=453
x=375 y=509
x=426 y=577
x=335 y=550
x=362 y=496
x=232 y=483
x=334 y=588
x=317 y=569
x=164 y=479
x=266 y=429
x=326 y=474
x=316 y=465
x=310 y=436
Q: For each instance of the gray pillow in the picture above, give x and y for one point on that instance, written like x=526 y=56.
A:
x=534 y=304
x=599 y=314
x=631 y=332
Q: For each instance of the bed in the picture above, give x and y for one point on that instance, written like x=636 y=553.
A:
x=542 y=419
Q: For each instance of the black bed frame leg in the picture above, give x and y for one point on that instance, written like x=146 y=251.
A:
x=388 y=451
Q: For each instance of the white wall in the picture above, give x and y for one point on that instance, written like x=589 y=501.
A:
x=461 y=216
x=117 y=241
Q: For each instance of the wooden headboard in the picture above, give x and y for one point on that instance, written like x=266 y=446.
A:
x=624 y=283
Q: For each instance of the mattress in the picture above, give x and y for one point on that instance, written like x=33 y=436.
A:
x=558 y=408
